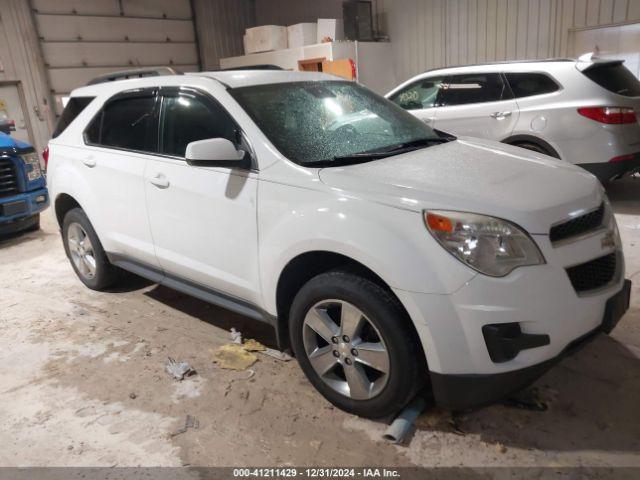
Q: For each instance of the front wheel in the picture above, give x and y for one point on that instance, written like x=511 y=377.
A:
x=355 y=344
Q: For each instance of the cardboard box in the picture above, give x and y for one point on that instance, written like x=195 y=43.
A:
x=330 y=28
x=265 y=39
x=302 y=34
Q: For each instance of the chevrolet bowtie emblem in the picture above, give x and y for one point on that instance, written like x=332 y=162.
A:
x=608 y=241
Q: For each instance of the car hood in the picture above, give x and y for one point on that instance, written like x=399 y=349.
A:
x=474 y=175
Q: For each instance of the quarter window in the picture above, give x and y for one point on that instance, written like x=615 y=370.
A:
x=127 y=123
x=474 y=88
x=420 y=94
x=74 y=107
x=528 y=84
x=187 y=118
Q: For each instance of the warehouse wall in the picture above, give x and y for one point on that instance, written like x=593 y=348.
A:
x=220 y=25
x=83 y=39
x=21 y=64
x=433 y=33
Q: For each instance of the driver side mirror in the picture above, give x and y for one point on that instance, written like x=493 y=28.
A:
x=214 y=152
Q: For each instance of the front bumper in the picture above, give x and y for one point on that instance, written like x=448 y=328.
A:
x=17 y=212
x=466 y=366
x=611 y=170
x=462 y=392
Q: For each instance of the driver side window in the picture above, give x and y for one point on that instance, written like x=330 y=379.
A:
x=420 y=94
x=188 y=118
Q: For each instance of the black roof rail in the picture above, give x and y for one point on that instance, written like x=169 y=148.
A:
x=134 y=73
x=252 y=67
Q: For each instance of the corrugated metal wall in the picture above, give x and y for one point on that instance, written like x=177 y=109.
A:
x=221 y=25
x=20 y=61
x=83 y=39
x=433 y=33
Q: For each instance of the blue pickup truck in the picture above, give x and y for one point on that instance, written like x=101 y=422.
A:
x=23 y=190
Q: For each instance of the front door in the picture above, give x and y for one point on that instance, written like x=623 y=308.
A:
x=203 y=219
x=477 y=105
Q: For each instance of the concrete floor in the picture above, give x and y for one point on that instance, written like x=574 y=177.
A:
x=82 y=382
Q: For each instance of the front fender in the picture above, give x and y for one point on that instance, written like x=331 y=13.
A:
x=392 y=242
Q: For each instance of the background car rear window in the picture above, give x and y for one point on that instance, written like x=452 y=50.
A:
x=474 y=88
x=127 y=123
x=616 y=78
x=187 y=119
x=75 y=105
x=528 y=84
x=420 y=94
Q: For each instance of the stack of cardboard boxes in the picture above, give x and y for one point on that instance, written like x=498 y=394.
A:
x=268 y=38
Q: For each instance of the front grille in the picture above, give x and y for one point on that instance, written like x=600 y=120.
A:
x=577 y=226
x=8 y=178
x=594 y=274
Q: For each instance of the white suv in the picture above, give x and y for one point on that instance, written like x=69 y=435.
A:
x=392 y=259
x=583 y=112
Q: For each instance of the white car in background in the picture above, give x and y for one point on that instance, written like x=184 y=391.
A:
x=583 y=112
x=389 y=257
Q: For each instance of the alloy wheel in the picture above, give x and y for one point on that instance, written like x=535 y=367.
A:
x=81 y=250
x=345 y=349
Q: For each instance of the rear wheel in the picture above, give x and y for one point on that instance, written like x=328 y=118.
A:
x=534 y=147
x=85 y=252
x=355 y=345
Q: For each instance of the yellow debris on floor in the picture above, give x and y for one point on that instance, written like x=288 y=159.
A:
x=233 y=356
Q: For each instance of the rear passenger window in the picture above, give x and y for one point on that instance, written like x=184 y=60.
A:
x=528 y=84
x=420 y=94
x=127 y=123
x=187 y=118
x=474 y=88
x=70 y=112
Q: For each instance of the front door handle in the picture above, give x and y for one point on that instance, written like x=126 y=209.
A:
x=89 y=161
x=500 y=115
x=160 y=181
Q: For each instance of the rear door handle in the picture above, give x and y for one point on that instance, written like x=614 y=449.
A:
x=89 y=161
x=160 y=181
x=500 y=114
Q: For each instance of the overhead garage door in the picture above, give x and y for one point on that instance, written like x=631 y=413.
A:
x=83 y=39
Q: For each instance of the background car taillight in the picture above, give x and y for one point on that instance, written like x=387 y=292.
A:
x=45 y=157
x=610 y=115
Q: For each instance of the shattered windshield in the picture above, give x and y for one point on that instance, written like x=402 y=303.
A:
x=332 y=122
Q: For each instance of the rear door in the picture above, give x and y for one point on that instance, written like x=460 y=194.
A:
x=421 y=98
x=120 y=139
x=477 y=105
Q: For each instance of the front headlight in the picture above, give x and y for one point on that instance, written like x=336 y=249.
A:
x=489 y=245
x=32 y=159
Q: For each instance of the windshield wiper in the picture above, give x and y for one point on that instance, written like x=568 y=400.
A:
x=415 y=144
x=352 y=159
x=363 y=157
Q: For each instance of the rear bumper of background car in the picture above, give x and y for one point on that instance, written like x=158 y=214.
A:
x=615 y=168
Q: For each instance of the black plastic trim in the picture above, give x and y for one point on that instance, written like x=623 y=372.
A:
x=202 y=292
x=505 y=340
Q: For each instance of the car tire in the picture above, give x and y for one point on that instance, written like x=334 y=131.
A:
x=535 y=148
x=88 y=259
x=355 y=379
